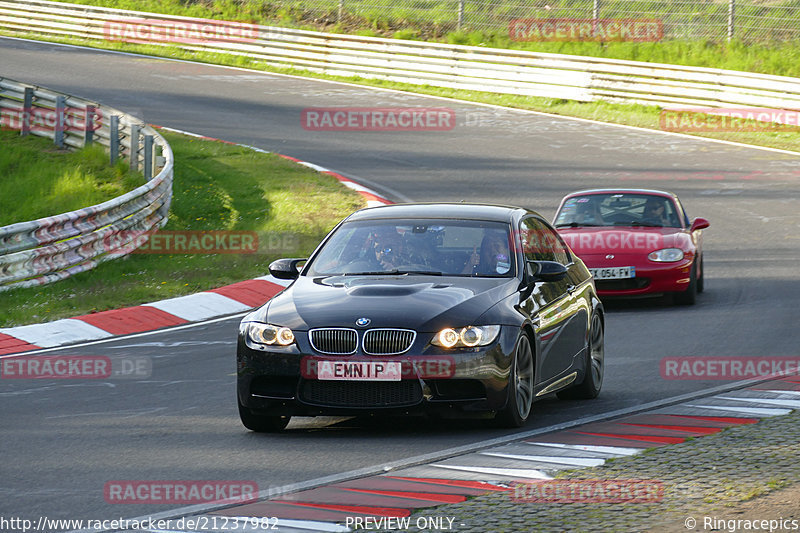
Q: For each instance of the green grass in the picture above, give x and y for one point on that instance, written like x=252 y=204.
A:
x=59 y=180
x=217 y=187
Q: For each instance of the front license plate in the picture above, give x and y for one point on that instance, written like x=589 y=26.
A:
x=613 y=273
x=359 y=370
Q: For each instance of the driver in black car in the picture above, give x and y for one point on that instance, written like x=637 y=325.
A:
x=388 y=249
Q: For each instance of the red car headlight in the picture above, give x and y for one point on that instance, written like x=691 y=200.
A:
x=666 y=255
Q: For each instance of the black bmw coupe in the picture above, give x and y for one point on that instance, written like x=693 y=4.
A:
x=424 y=308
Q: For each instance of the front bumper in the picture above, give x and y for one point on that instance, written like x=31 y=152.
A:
x=281 y=381
x=651 y=279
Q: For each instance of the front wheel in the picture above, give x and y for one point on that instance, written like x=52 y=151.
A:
x=595 y=359
x=520 y=386
x=701 y=277
x=689 y=296
x=261 y=423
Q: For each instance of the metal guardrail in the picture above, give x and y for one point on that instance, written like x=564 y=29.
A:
x=442 y=65
x=53 y=248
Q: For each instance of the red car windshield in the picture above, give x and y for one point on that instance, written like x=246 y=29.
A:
x=618 y=209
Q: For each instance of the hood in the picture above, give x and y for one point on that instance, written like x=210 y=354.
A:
x=624 y=240
x=416 y=302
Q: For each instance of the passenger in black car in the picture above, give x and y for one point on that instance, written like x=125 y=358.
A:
x=493 y=257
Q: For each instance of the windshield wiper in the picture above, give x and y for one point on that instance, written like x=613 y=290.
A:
x=579 y=225
x=395 y=272
x=638 y=223
x=376 y=273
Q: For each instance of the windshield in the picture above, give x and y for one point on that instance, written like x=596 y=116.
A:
x=417 y=247
x=618 y=209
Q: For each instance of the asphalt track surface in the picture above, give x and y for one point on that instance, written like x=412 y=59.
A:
x=61 y=442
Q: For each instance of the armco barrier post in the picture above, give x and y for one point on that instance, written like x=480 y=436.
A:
x=113 y=139
x=134 y=153
x=58 y=128
x=88 y=132
x=148 y=157
x=27 y=105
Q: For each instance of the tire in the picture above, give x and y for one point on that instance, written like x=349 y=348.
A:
x=261 y=423
x=520 y=387
x=701 y=277
x=595 y=365
x=689 y=296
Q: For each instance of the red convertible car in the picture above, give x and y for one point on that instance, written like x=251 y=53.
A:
x=636 y=242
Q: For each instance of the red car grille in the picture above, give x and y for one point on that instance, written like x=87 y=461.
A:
x=621 y=284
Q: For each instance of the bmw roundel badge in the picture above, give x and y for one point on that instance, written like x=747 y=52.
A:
x=363 y=322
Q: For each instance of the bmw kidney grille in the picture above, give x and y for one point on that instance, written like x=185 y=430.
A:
x=344 y=341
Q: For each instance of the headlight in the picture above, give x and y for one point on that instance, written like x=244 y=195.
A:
x=468 y=336
x=267 y=334
x=667 y=255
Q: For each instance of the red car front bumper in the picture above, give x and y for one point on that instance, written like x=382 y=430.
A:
x=651 y=278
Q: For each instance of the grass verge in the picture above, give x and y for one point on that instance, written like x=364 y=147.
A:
x=59 y=180
x=218 y=187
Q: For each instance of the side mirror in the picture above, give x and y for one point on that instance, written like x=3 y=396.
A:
x=285 y=268
x=546 y=271
x=699 y=223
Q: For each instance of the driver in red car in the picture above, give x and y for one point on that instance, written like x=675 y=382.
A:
x=655 y=213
